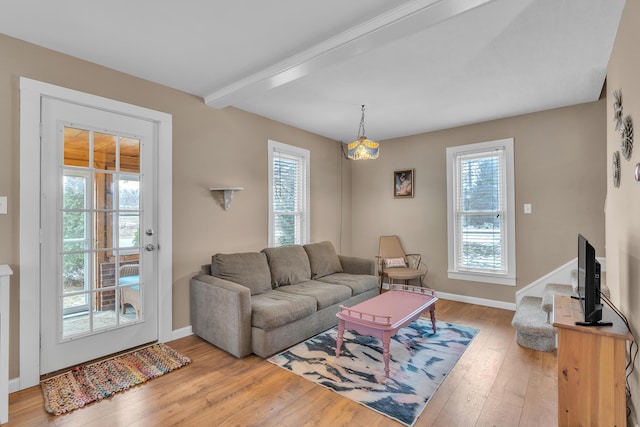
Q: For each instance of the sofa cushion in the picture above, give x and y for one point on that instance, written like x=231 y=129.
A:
x=289 y=265
x=359 y=283
x=323 y=259
x=273 y=309
x=248 y=269
x=325 y=294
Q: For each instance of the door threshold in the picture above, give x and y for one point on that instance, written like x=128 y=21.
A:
x=100 y=359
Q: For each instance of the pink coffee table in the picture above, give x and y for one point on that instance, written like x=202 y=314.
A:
x=382 y=316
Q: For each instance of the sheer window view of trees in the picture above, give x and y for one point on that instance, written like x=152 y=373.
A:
x=75 y=226
x=286 y=201
x=481 y=213
x=74 y=232
x=129 y=225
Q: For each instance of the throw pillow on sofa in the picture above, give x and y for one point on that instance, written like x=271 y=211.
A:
x=323 y=259
x=249 y=269
x=289 y=265
x=395 y=263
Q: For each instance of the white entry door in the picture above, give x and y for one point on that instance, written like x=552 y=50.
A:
x=98 y=240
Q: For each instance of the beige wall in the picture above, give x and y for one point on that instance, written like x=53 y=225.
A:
x=623 y=204
x=210 y=147
x=559 y=168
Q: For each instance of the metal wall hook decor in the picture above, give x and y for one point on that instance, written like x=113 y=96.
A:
x=626 y=137
x=615 y=169
x=617 y=109
x=622 y=125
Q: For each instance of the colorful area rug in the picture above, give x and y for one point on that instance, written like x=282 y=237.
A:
x=419 y=362
x=88 y=383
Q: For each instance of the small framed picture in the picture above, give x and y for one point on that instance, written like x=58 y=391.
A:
x=403 y=183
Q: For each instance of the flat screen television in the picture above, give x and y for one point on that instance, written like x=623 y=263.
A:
x=589 y=284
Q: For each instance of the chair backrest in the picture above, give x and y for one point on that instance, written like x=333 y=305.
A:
x=390 y=247
x=129 y=270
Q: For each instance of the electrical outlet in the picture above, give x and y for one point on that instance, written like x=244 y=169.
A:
x=3 y=205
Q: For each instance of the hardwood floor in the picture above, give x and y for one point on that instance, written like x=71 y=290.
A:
x=495 y=383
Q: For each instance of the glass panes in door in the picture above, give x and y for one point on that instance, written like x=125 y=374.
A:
x=100 y=222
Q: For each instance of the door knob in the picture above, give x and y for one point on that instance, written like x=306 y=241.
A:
x=150 y=247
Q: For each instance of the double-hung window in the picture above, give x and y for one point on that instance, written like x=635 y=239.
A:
x=288 y=194
x=481 y=212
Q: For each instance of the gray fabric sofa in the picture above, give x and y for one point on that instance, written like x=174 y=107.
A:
x=264 y=302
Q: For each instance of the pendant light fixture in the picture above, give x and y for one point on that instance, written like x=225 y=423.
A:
x=362 y=148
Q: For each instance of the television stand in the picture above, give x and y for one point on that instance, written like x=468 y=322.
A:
x=597 y=323
x=591 y=367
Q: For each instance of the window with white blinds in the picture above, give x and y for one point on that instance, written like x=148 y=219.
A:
x=288 y=194
x=481 y=216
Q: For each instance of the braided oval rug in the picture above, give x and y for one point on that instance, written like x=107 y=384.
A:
x=88 y=383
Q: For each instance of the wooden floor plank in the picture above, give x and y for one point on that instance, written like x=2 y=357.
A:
x=496 y=382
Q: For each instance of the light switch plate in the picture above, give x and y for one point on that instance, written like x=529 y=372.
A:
x=3 y=205
x=527 y=208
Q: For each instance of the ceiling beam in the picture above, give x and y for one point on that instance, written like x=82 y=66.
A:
x=405 y=20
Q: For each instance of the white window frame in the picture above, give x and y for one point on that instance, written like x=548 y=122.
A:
x=509 y=276
x=275 y=147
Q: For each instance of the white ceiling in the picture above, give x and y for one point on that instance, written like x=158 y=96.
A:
x=417 y=65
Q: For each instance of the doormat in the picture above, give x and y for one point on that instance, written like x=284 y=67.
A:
x=419 y=362
x=88 y=383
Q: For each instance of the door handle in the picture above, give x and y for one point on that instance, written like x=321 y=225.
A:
x=150 y=247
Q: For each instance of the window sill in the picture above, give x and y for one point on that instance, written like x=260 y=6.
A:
x=484 y=278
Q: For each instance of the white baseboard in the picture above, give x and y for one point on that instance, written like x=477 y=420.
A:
x=14 y=385
x=182 y=332
x=478 y=301
x=564 y=275
x=561 y=275
x=471 y=300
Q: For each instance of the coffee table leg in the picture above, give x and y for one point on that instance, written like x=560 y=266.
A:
x=432 y=312
x=340 y=333
x=386 y=339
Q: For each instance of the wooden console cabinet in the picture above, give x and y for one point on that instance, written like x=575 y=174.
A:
x=591 y=367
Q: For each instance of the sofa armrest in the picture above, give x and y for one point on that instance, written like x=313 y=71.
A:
x=355 y=265
x=221 y=313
